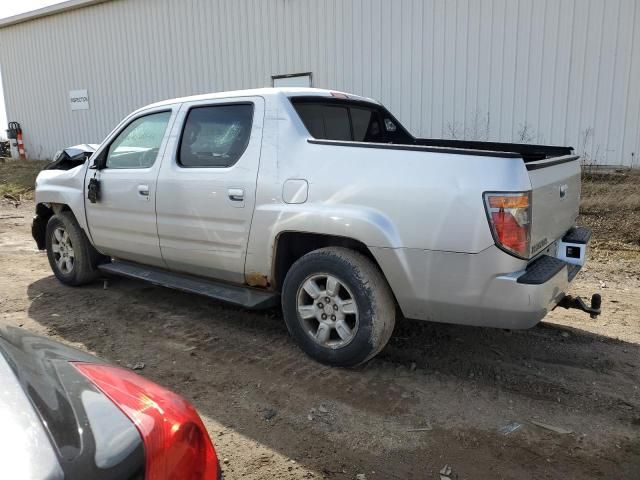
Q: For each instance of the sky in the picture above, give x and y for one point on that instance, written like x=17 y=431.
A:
x=9 y=9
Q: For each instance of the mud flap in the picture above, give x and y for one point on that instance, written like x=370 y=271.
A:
x=39 y=230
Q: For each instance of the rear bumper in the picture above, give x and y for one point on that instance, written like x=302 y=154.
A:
x=473 y=289
x=545 y=268
x=522 y=299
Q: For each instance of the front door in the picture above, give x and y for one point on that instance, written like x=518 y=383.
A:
x=206 y=187
x=122 y=223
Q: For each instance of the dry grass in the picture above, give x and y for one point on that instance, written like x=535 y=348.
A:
x=611 y=207
x=17 y=178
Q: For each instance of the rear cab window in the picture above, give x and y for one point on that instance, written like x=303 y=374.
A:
x=329 y=118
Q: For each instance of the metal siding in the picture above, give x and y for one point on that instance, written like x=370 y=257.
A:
x=554 y=71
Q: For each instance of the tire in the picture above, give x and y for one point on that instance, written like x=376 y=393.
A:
x=65 y=238
x=359 y=280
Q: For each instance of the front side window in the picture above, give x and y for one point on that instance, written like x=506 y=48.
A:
x=215 y=136
x=137 y=146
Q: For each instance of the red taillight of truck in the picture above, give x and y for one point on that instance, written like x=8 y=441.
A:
x=509 y=217
x=176 y=443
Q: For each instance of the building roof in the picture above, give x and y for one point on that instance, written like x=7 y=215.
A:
x=47 y=11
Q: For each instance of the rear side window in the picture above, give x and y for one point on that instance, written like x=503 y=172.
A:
x=366 y=125
x=340 y=122
x=329 y=122
x=216 y=135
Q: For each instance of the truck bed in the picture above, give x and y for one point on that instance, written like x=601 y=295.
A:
x=313 y=111
x=529 y=153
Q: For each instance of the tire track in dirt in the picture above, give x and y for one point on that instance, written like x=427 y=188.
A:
x=260 y=339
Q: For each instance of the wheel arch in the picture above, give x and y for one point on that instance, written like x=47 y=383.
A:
x=289 y=246
x=322 y=224
x=44 y=211
x=62 y=190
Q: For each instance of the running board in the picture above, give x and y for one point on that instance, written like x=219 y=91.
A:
x=238 y=295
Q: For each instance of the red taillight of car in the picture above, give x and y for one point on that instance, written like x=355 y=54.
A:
x=176 y=443
x=510 y=219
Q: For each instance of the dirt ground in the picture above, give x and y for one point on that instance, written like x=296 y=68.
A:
x=437 y=395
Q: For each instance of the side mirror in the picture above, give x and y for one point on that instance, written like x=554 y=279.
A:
x=98 y=163
x=93 y=190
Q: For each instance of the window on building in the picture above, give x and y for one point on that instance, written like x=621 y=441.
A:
x=137 y=146
x=215 y=136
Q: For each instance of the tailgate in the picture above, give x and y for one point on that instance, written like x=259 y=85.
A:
x=555 y=184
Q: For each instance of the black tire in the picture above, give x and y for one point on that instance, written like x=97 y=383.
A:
x=85 y=260
x=366 y=285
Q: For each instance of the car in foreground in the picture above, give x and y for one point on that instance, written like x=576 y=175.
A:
x=324 y=203
x=68 y=415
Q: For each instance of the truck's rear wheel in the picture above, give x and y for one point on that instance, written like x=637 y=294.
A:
x=72 y=258
x=338 y=306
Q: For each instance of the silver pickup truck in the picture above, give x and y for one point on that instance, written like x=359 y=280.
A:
x=321 y=201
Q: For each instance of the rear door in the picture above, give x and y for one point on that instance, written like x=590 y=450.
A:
x=207 y=186
x=122 y=223
x=555 y=199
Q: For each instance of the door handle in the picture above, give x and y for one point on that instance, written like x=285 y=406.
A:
x=143 y=190
x=236 y=194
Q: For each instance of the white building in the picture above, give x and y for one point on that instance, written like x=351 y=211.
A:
x=545 y=71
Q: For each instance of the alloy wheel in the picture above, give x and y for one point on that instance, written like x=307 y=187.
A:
x=327 y=310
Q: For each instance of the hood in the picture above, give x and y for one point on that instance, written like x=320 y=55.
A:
x=71 y=157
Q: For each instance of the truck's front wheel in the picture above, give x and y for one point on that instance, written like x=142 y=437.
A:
x=72 y=258
x=338 y=306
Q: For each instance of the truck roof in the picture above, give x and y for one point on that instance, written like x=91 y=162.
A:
x=261 y=92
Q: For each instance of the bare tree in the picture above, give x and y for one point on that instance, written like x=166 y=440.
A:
x=526 y=133
x=453 y=130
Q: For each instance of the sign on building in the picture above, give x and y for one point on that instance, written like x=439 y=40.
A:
x=79 y=99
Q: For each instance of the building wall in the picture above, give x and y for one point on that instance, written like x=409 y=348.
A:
x=546 y=71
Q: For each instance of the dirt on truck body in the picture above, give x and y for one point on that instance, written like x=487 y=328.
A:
x=559 y=401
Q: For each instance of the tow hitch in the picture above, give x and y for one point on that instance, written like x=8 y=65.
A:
x=576 y=302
